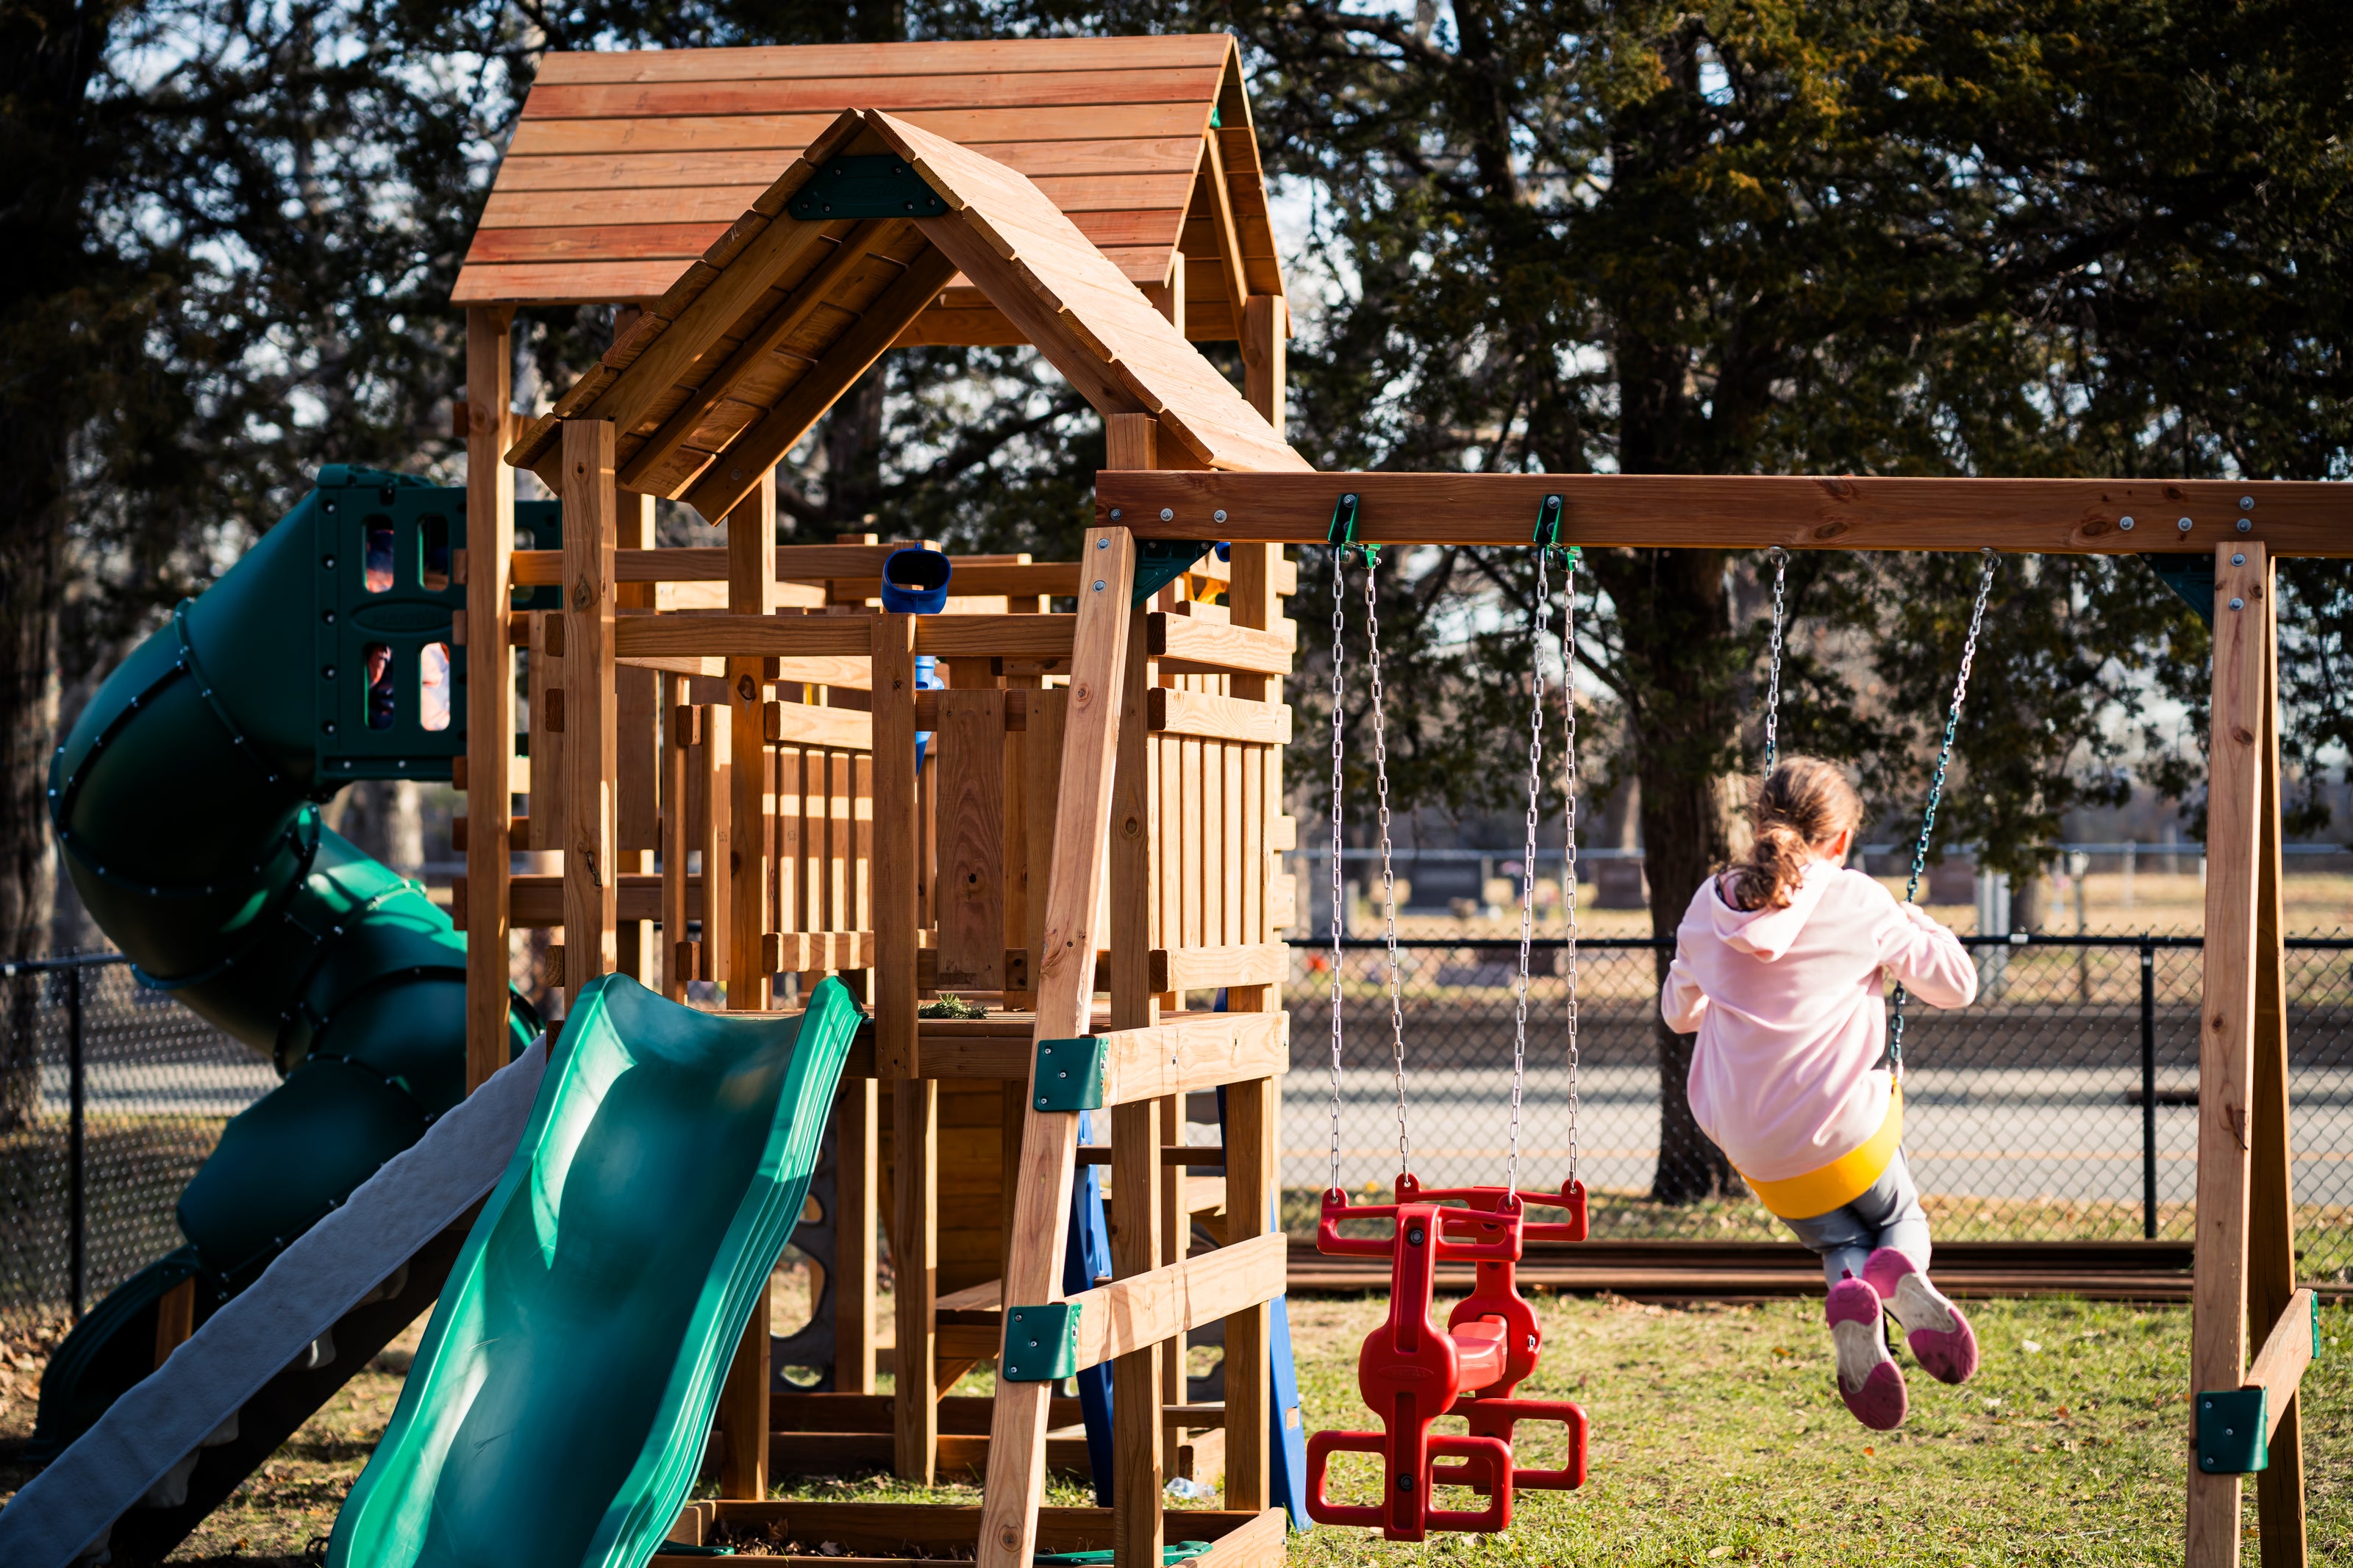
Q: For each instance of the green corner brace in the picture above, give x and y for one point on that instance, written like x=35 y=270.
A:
x=1041 y=1343
x=2233 y=1426
x=1070 y=1074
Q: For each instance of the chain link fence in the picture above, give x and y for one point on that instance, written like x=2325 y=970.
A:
x=2060 y=1106
x=110 y=1095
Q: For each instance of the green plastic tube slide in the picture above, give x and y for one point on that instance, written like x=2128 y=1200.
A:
x=185 y=800
x=555 y=1414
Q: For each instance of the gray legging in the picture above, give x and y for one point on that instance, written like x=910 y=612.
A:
x=1889 y=1215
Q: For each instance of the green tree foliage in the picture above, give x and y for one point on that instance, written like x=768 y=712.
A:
x=2019 y=236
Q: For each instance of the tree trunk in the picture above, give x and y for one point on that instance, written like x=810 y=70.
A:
x=48 y=49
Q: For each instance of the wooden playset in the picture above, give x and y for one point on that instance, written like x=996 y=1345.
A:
x=1089 y=843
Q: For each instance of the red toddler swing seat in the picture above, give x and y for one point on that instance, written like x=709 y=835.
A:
x=1411 y=1373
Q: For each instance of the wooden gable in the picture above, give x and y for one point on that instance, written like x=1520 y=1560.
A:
x=722 y=376
x=625 y=167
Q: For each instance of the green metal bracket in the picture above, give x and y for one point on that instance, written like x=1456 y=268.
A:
x=1549 y=523
x=1344 y=524
x=2232 y=1427
x=2190 y=576
x=877 y=186
x=1070 y=1074
x=1041 y=1343
x=1160 y=561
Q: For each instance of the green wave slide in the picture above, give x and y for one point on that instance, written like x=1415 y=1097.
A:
x=556 y=1412
x=185 y=800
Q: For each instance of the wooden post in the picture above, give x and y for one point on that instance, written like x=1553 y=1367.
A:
x=915 y=1270
x=1250 y=1155
x=636 y=751
x=1266 y=344
x=2271 y=1220
x=751 y=590
x=898 y=913
x=489 y=687
x=744 y=1409
x=1062 y=969
x=2234 y=809
x=678 y=725
x=855 y=1186
x=590 y=526
x=1139 y=1195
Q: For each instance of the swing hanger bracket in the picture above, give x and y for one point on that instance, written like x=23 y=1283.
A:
x=1547 y=534
x=1342 y=535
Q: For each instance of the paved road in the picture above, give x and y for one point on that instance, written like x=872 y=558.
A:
x=2062 y=1134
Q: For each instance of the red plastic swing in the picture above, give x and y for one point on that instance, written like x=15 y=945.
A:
x=1410 y=1373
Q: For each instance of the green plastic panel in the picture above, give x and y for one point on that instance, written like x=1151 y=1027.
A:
x=1069 y=1075
x=386 y=700
x=867 y=186
x=557 y=1409
x=1041 y=1343
x=2232 y=1427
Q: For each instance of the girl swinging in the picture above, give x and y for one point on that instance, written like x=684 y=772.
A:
x=1795 y=1074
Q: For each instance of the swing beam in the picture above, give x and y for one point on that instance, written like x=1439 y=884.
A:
x=2245 y=1416
x=2070 y=517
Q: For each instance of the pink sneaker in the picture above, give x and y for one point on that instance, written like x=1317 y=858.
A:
x=1934 y=1329
x=1868 y=1378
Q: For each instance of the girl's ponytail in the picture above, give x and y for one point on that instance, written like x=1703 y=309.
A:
x=1802 y=803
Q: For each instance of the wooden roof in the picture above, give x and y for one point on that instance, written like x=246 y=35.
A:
x=626 y=166
x=725 y=373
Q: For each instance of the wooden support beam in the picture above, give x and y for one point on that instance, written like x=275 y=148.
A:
x=700 y=330
x=1266 y=349
x=678 y=727
x=769 y=637
x=743 y=1406
x=1206 y=968
x=751 y=595
x=857 y=1187
x=914 y=1245
x=2066 y=517
x=968 y=754
x=1188 y=644
x=1251 y=1172
x=2278 y=1366
x=592 y=521
x=1207 y=716
x=798 y=563
x=490 y=689
x=1064 y=981
x=2273 y=1310
x=898 y=861
x=2235 y=797
x=1212 y=189
x=1197 y=1051
x=758 y=449
x=1130 y=1315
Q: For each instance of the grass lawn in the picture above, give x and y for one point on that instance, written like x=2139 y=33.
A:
x=1716 y=1437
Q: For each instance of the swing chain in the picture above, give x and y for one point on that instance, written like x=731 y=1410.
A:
x=1780 y=559
x=1937 y=788
x=1528 y=863
x=1570 y=784
x=1389 y=879
x=1339 y=794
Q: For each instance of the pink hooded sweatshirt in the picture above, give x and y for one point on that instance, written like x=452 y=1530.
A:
x=1791 y=1017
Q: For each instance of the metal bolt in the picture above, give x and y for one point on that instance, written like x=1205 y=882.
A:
x=2183 y=525
x=2246 y=503
x=1099 y=585
x=1218 y=516
x=1114 y=517
x=2246 y=525
x=2124 y=523
x=2238 y=604
x=1167 y=515
x=1350 y=500
x=2237 y=558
